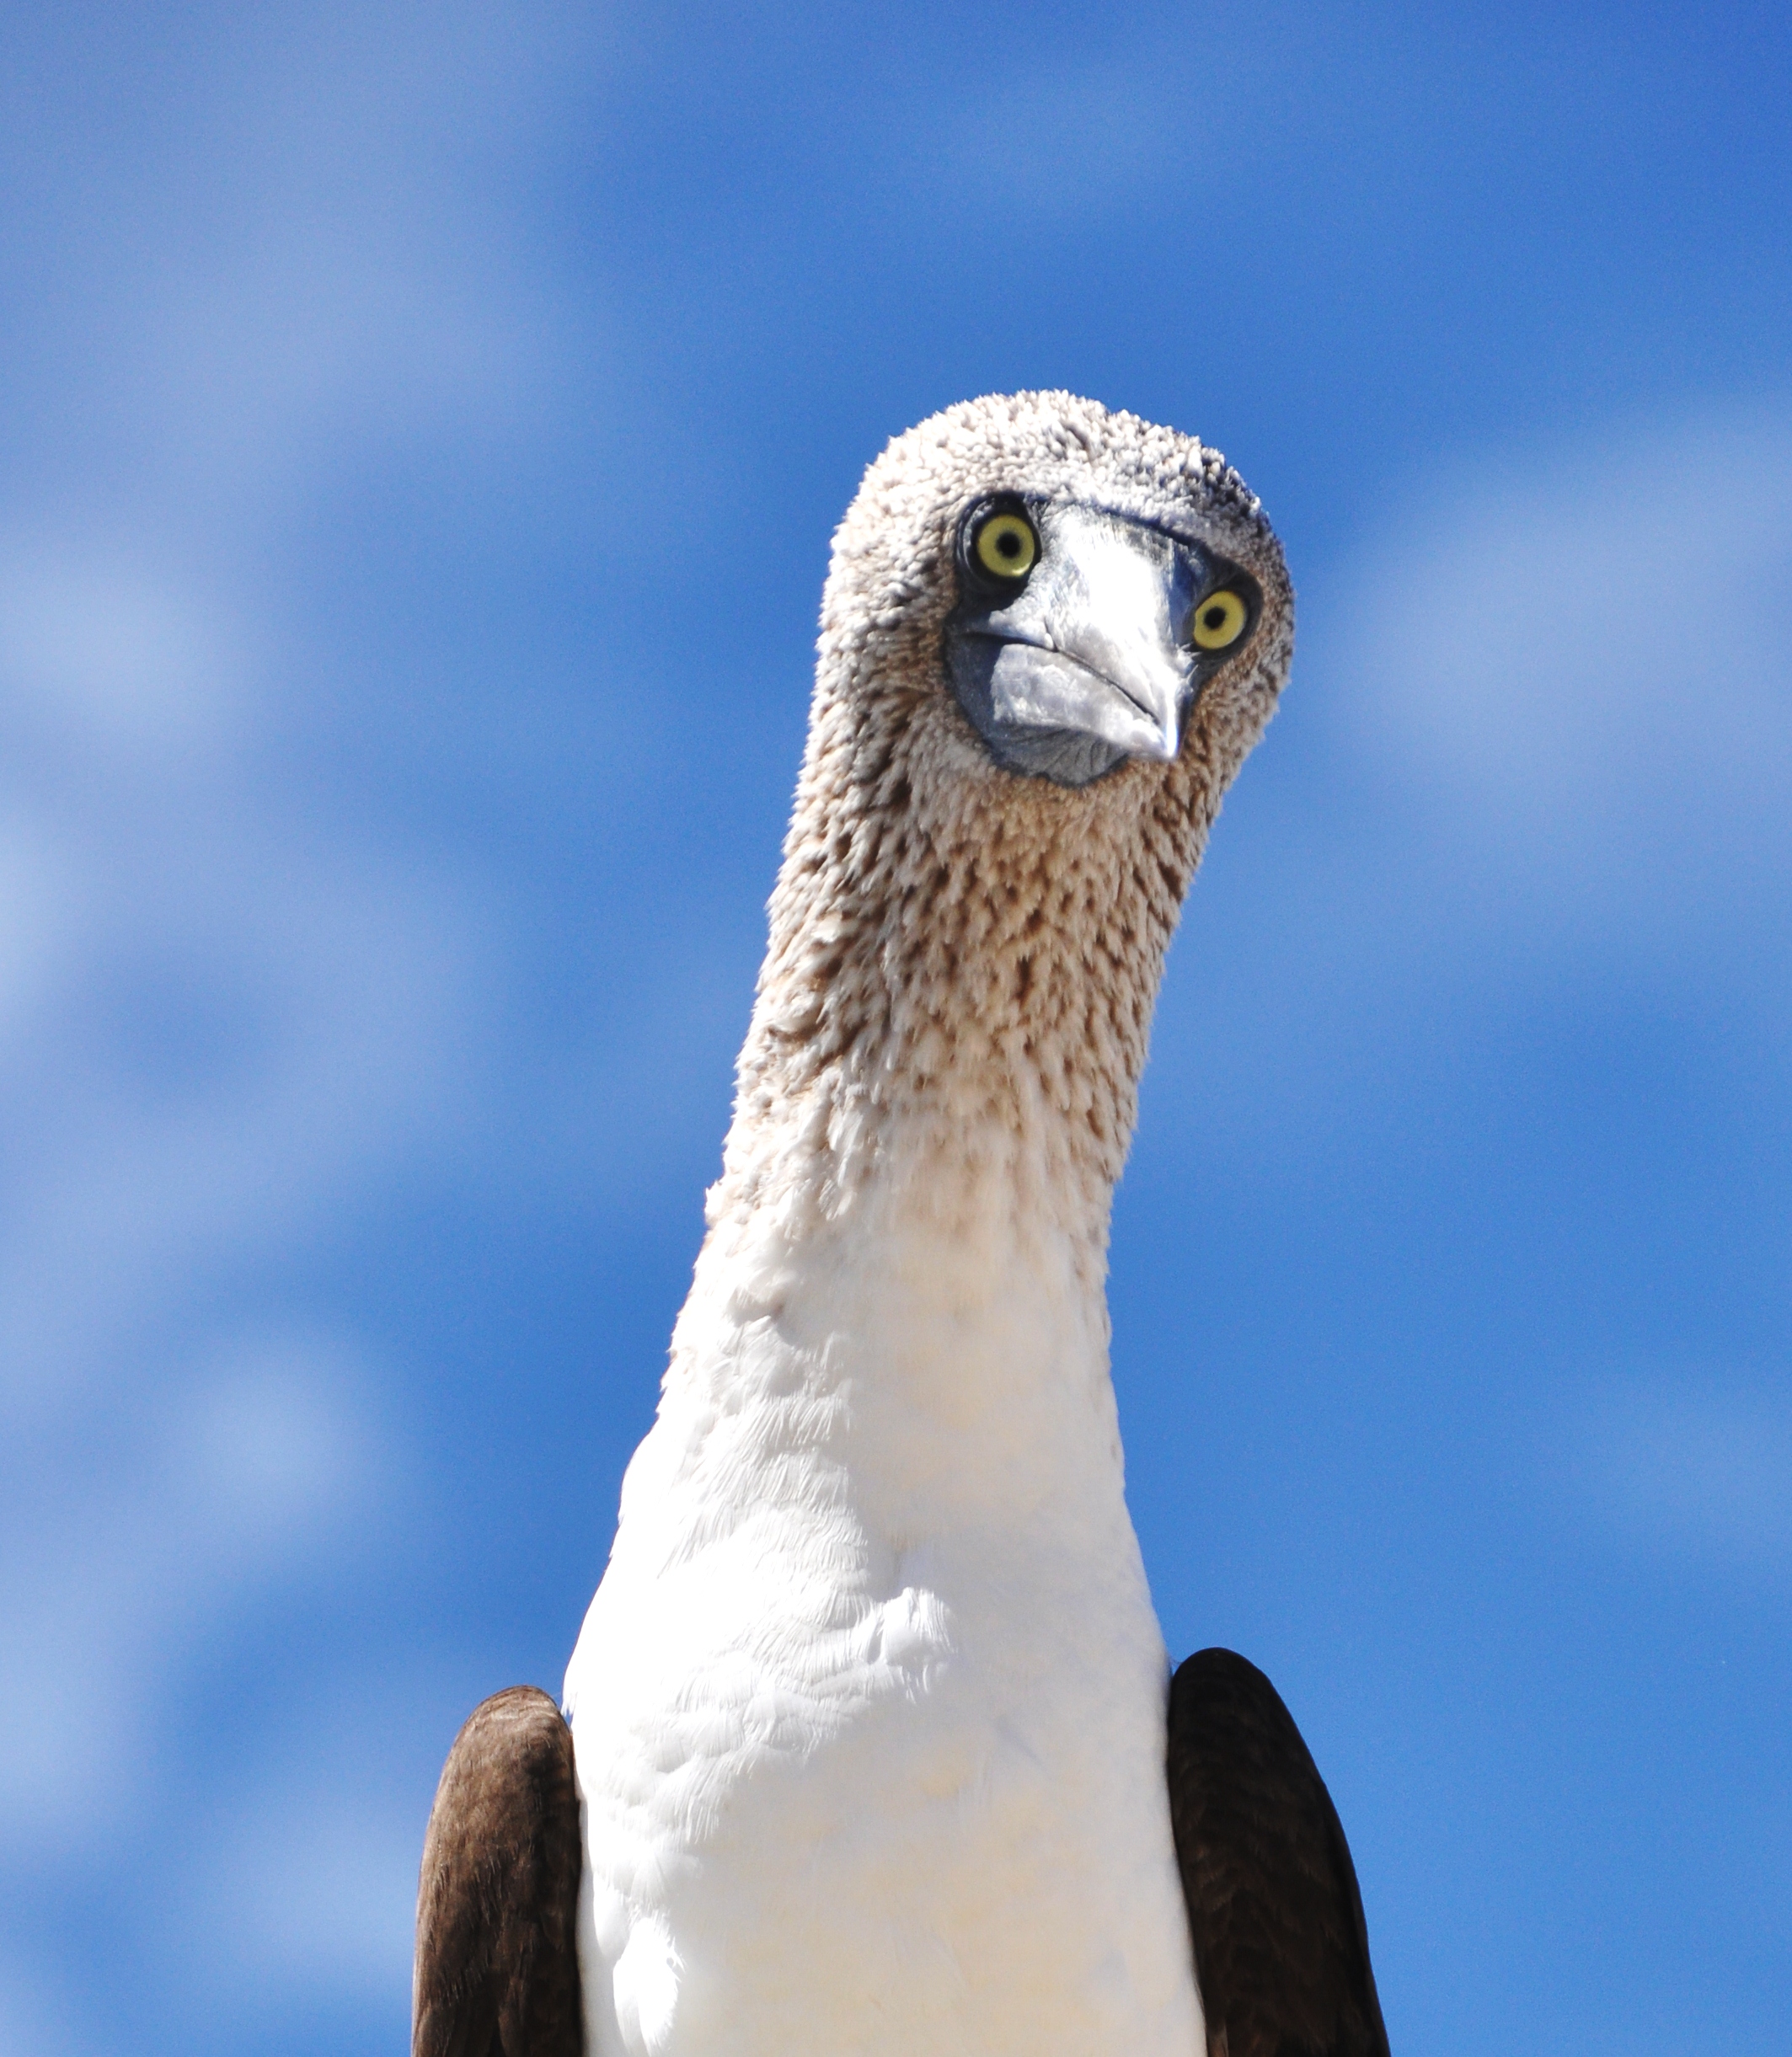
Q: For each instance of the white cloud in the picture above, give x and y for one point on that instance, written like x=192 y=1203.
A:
x=223 y=1023
x=1691 y=1468
x=31 y=2016
x=1051 y=144
x=214 y=1012
x=110 y=652
x=229 y=1022
x=309 y=1886
x=300 y=245
x=138 y=1534
x=1579 y=671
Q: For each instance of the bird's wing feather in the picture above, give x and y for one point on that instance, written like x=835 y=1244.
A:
x=497 y=1968
x=1282 y=1951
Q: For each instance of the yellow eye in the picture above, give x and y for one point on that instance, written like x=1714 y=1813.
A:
x=1219 y=620
x=1007 y=546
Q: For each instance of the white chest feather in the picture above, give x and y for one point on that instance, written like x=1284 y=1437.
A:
x=868 y=1709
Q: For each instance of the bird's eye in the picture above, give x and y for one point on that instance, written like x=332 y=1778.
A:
x=1006 y=545
x=1219 y=622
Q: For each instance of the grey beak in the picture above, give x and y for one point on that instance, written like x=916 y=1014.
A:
x=1087 y=665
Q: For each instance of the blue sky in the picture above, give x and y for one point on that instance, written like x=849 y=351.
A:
x=420 y=439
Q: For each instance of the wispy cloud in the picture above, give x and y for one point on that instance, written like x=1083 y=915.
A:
x=1050 y=144
x=228 y=1016
x=1696 y=1469
x=32 y=2016
x=308 y=1886
x=211 y=1008
x=156 y=1517
x=1578 y=670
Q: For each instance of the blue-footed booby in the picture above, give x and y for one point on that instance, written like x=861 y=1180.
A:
x=870 y=1746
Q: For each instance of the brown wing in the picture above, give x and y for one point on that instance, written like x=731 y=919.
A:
x=497 y=1971
x=1281 y=1952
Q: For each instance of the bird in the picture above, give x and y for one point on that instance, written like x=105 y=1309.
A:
x=869 y=1743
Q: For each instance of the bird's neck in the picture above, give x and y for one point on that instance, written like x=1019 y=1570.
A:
x=959 y=982
x=907 y=1248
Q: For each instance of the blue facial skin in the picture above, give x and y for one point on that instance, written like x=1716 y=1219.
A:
x=1087 y=657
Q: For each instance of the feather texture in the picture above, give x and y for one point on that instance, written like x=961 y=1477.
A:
x=497 y=1968
x=1280 y=1944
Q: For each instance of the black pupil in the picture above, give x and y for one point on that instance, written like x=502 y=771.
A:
x=1008 y=543
x=1215 y=618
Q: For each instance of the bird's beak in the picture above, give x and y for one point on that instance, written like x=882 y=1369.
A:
x=1088 y=665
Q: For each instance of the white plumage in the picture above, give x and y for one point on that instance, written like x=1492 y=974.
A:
x=869 y=1708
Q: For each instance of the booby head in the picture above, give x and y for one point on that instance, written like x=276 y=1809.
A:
x=1086 y=589
x=1050 y=634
